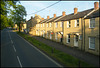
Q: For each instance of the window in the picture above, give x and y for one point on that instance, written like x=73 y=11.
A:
x=50 y=24
x=80 y=37
x=76 y=38
x=68 y=24
x=77 y=23
x=92 y=23
x=56 y=24
x=68 y=38
x=92 y=42
x=56 y=36
x=47 y=24
x=61 y=24
x=41 y=25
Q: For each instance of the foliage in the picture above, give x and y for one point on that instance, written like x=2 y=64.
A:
x=18 y=14
x=8 y=17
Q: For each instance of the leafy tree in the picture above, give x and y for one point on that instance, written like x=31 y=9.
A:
x=18 y=15
x=4 y=10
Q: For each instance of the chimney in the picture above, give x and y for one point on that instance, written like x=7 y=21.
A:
x=96 y=5
x=75 y=10
x=63 y=13
x=47 y=17
x=35 y=14
x=54 y=15
x=42 y=18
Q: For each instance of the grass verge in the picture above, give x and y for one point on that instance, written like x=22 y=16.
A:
x=60 y=56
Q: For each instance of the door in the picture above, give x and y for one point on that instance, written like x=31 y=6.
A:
x=50 y=36
x=76 y=40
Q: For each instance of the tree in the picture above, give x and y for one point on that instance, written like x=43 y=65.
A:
x=4 y=9
x=18 y=15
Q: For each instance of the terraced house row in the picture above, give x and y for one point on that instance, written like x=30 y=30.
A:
x=79 y=29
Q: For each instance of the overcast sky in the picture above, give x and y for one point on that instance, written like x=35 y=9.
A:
x=67 y=6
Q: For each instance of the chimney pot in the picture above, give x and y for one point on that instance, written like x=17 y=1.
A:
x=75 y=10
x=96 y=5
x=42 y=18
x=54 y=15
x=35 y=14
x=47 y=17
x=63 y=13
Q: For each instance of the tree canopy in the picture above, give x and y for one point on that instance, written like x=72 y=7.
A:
x=9 y=15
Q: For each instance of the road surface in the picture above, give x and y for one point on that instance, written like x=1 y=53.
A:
x=16 y=52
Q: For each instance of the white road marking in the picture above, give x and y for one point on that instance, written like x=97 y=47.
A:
x=42 y=53
x=19 y=62
x=11 y=41
x=14 y=48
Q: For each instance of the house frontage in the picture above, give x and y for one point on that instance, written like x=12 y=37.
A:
x=79 y=29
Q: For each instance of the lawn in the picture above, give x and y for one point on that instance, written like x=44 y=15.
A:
x=60 y=56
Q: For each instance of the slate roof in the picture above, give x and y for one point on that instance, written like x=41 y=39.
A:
x=45 y=20
x=54 y=19
x=76 y=16
x=94 y=14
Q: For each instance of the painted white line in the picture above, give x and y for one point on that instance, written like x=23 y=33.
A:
x=19 y=62
x=14 y=48
x=11 y=41
x=42 y=53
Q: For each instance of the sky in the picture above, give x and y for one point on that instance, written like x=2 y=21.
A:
x=67 y=6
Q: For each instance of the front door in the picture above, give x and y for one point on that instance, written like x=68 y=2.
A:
x=76 y=40
x=50 y=36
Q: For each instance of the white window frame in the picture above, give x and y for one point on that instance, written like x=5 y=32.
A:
x=91 y=47
x=50 y=24
x=67 y=38
x=68 y=24
x=92 y=23
x=61 y=23
x=56 y=24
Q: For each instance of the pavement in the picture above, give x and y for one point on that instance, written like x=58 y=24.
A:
x=82 y=55
x=17 y=52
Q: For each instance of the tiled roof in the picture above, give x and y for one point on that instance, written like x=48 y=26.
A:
x=76 y=16
x=42 y=21
x=94 y=14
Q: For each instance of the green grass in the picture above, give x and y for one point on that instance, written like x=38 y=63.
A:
x=62 y=57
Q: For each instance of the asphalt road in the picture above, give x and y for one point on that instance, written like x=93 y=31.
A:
x=16 y=52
